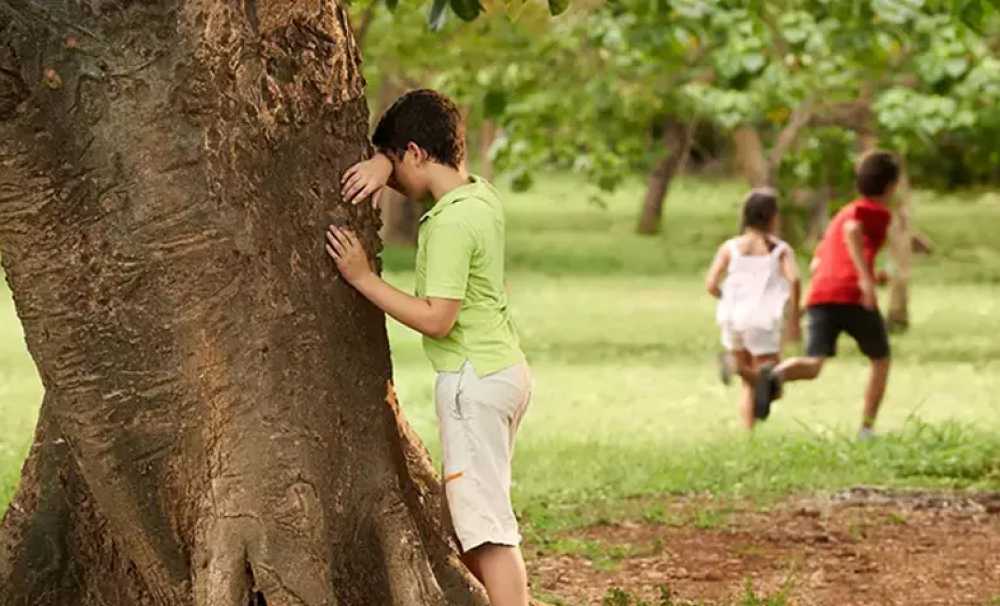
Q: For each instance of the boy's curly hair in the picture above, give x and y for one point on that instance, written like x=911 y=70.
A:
x=877 y=172
x=428 y=119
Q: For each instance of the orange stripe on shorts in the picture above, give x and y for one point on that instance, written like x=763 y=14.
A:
x=453 y=476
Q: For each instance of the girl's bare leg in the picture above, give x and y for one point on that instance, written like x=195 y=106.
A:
x=744 y=368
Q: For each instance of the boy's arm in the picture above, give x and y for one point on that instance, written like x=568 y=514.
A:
x=855 y=247
x=434 y=317
x=713 y=281
x=815 y=261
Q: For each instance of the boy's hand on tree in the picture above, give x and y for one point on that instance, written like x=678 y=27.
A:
x=346 y=250
x=365 y=179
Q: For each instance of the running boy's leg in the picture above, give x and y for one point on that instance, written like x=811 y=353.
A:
x=825 y=325
x=868 y=329
x=877 y=381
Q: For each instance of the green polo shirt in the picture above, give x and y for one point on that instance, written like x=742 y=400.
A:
x=460 y=255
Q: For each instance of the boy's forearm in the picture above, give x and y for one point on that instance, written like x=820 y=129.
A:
x=855 y=249
x=407 y=309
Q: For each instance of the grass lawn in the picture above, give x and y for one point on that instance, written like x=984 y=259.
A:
x=622 y=342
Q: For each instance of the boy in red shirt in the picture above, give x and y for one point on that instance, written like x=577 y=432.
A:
x=842 y=294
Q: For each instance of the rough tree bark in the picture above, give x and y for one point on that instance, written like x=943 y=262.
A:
x=677 y=139
x=218 y=427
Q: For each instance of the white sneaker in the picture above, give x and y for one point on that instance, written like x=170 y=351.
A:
x=866 y=434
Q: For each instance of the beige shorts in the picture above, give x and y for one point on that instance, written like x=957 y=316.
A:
x=478 y=419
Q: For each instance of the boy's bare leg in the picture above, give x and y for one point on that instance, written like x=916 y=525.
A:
x=799 y=369
x=877 y=381
x=500 y=568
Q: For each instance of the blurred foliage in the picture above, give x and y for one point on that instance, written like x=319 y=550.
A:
x=591 y=90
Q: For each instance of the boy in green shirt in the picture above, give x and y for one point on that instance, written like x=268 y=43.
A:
x=460 y=306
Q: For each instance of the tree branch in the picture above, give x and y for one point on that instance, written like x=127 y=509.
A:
x=366 y=20
x=789 y=134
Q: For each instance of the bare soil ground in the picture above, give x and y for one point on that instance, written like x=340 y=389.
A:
x=860 y=547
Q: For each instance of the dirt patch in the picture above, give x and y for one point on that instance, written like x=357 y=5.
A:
x=860 y=547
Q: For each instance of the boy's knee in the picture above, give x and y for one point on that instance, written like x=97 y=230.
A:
x=815 y=365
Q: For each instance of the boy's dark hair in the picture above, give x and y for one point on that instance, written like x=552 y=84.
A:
x=877 y=172
x=428 y=119
x=759 y=209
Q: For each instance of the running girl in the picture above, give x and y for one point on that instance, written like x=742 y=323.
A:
x=754 y=275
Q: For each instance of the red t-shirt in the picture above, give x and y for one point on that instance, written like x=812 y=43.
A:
x=835 y=279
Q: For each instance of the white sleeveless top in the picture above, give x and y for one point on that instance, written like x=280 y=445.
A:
x=755 y=291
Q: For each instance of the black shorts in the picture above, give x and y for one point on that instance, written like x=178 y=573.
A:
x=866 y=326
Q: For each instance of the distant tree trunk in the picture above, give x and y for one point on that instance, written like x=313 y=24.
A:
x=400 y=219
x=819 y=214
x=760 y=166
x=487 y=135
x=750 y=156
x=901 y=252
x=365 y=23
x=677 y=139
x=218 y=427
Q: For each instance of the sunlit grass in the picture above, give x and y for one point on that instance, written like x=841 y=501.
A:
x=622 y=341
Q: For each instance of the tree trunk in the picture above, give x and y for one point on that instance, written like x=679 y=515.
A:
x=819 y=214
x=677 y=140
x=218 y=427
x=901 y=253
x=400 y=219
x=750 y=156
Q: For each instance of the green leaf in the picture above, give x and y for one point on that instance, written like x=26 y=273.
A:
x=521 y=181
x=391 y=5
x=956 y=66
x=436 y=18
x=467 y=10
x=494 y=103
x=558 y=7
x=753 y=62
